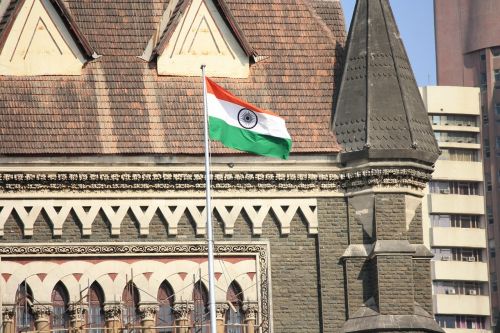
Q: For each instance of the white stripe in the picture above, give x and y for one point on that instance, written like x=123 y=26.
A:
x=228 y=112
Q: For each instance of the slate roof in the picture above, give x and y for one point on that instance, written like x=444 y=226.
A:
x=380 y=113
x=121 y=106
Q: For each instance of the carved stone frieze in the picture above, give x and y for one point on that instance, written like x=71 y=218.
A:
x=8 y=313
x=221 y=181
x=112 y=312
x=148 y=311
x=183 y=310
x=42 y=312
x=221 y=309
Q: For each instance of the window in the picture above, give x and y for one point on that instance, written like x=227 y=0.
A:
x=459 y=137
x=130 y=300
x=200 y=314
x=491 y=247
x=483 y=56
x=458 y=254
x=165 y=317
x=460 y=188
x=497 y=109
x=487 y=148
x=454 y=120
x=489 y=215
x=497 y=142
x=234 y=316
x=482 y=80
x=95 y=315
x=489 y=186
x=497 y=75
x=24 y=318
x=460 y=288
x=59 y=303
x=495 y=51
x=493 y=281
x=465 y=155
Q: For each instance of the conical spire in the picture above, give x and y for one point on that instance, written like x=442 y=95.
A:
x=380 y=113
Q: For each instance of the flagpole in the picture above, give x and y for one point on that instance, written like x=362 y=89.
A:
x=210 y=235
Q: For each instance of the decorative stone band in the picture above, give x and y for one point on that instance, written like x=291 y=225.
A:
x=409 y=175
x=251 y=309
x=183 y=310
x=8 y=313
x=112 y=312
x=42 y=312
x=221 y=309
x=172 y=211
x=387 y=247
x=148 y=311
x=77 y=312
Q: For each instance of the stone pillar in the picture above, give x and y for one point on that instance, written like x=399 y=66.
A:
x=77 y=317
x=182 y=312
x=220 y=309
x=251 y=310
x=8 y=313
x=42 y=314
x=112 y=315
x=148 y=316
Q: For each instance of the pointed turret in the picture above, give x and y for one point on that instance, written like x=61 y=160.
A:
x=380 y=113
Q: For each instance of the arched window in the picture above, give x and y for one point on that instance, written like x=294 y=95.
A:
x=234 y=316
x=200 y=317
x=59 y=308
x=165 y=317
x=130 y=300
x=95 y=316
x=24 y=300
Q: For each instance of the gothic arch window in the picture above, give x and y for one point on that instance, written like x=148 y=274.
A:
x=24 y=300
x=200 y=317
x=130 y=300
x=95 y=315
x=165 y=317
x=59 y=317
x=234 y=315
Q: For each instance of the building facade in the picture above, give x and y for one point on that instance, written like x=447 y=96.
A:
x=102 y=218
x=455 y=220
x=471 y=58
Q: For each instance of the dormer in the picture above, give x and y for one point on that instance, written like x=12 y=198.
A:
x=40 y=37
x=196 y=32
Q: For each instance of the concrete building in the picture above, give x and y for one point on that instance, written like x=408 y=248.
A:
x=454 y=219
x=102 y=210
x=468 y=54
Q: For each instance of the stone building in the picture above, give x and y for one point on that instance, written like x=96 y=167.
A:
x=102 y=218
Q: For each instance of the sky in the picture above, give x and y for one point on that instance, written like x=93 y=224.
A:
x=415 y=20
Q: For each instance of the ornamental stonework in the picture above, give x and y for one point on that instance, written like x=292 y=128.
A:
x=221 y=181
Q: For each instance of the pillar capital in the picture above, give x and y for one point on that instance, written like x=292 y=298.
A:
x=42 y=312
x=112 y=311
x=220 y=310
x=250 y=309
x=8 y=312
x=182 y=310
x=148 y=311
x=77 y=312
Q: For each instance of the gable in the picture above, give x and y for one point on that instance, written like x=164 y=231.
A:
x=198 y=34
x=38 y=42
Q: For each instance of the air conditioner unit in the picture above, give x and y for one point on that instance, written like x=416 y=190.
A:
x=451 y=291
x=445 y=258
x=471 y=259
x=472 y=292
x=445 y=191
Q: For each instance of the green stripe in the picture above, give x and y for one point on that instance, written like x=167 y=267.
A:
x=246 y=140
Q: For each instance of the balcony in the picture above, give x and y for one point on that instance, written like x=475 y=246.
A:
x=462 y=304
x=458 y=170
x=458 y=237
x=456 y=204
x=460 y=270
x=466 y=330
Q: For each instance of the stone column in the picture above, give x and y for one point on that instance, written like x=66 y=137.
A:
x=148 y=316
x=251 y=309
x=8 y=313
x=182 y=311
x=77 y=317
x=112 y=315
x=42 y=314
x=220 y=309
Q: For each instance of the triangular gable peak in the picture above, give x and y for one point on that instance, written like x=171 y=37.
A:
x=40 y=37
x=201 y=32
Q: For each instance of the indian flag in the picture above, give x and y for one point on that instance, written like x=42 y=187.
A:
x=242 y=126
